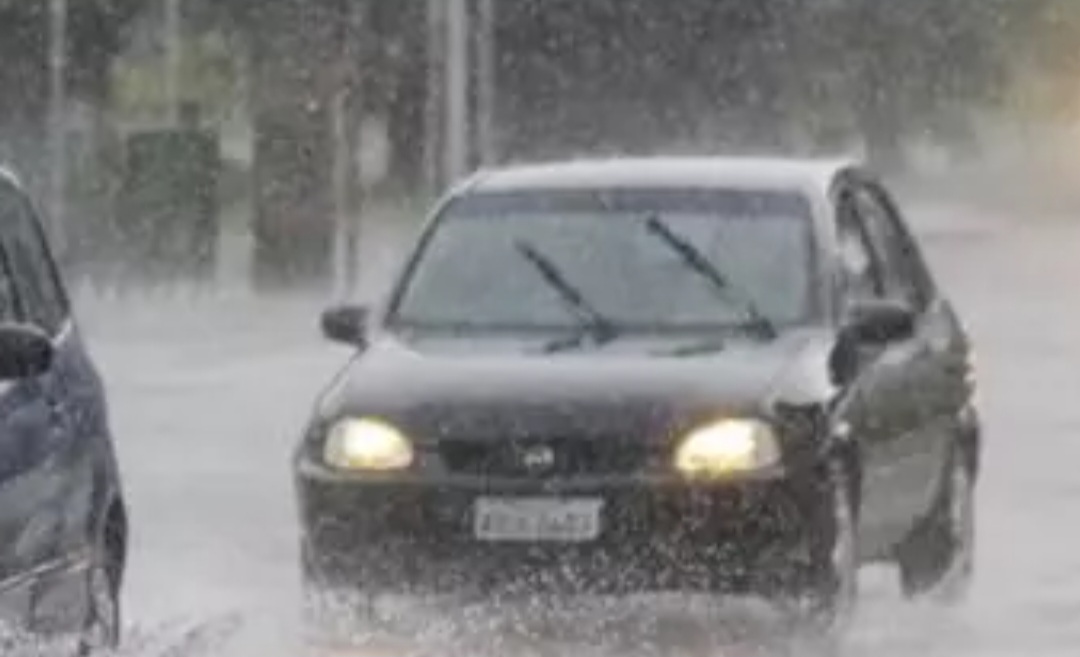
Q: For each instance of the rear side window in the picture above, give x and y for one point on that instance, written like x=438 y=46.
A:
x=30 y=264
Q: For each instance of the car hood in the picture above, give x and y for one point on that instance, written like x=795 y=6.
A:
x=438 y=390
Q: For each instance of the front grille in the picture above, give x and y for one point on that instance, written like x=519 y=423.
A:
x=570 y=457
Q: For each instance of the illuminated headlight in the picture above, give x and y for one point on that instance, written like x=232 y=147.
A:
x=367 y=444
x=728 y=447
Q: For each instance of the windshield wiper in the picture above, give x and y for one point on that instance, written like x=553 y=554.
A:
x=708 y=270
x=594 y=324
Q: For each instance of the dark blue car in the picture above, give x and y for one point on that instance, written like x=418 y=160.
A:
x=63 y=527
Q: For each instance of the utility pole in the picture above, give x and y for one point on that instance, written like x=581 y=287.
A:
x=434 y=124
x=486 y=93
x=457 y=90
x=173 y=59
x=58 y=19
x=349 y=119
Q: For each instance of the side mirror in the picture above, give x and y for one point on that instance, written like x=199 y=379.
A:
x=871 y=323
x=879 y=322
x=346 y=324
x=25 y=352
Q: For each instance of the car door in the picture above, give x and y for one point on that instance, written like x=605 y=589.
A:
x=881 y=401
x=28 y=426
x=55 y=476
x=934 y=357
x=895 y=383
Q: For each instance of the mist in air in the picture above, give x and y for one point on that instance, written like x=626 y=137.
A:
x=213 y=173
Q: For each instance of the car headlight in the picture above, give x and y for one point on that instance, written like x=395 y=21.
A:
x=367 y=444
x=728 y=447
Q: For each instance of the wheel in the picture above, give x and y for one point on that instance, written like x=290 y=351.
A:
x=101 y=631
x=937 y=560
x=829 y=595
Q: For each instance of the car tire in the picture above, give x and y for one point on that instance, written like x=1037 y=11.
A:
x=102 y=626
x=937 y=560
x=828 y=598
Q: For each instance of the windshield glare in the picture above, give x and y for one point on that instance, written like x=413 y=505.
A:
x=471 y=273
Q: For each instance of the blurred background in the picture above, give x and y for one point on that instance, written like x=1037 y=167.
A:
x=257 y=139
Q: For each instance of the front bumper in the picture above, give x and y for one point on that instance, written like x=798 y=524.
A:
x=656 y=533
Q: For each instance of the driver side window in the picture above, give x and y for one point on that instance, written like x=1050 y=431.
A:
x=860 y=277
x=898 y=280
x=900 y=263
x=30 y=265
x=9 y=312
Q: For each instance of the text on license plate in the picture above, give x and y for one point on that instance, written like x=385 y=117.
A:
x=537 y=519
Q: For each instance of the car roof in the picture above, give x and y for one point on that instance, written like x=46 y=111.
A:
x=814 y=176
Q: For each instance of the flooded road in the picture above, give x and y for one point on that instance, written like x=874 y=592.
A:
x=209 y=393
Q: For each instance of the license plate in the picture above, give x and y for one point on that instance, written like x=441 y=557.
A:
x=530 y=520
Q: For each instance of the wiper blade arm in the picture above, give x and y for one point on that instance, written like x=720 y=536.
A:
x=708 y=270
x=594 y=323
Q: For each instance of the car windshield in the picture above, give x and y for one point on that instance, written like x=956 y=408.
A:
x=478 y=267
